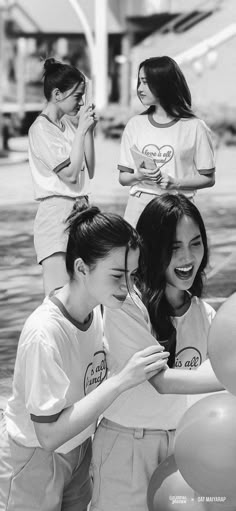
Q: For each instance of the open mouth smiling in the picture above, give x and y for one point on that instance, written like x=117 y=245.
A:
x=184 y=272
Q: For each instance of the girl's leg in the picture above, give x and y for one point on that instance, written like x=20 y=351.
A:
x=124 y=460
x=54 y=272
x=27 y=477
x=32 y=478
x=77 y=494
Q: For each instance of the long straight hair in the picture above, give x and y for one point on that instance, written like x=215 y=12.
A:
x=157 y=227
x=168 y=84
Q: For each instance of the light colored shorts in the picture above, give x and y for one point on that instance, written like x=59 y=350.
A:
x=50 y=234
x=135 y=206
x=32 y=479
x=123 y=462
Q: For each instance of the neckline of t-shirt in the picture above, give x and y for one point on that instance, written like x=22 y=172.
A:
x=178 y=318
x=160 y=124
x=77 y=324
x=62 y=129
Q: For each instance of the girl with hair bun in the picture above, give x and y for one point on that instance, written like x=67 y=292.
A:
x=62 y=162
x=59 y=384
x=170 y=134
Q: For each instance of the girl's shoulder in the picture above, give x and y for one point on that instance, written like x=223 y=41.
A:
x=41 y=125
x=194 y=122
x=133 y=306
x=202 y=308
x=137 y=120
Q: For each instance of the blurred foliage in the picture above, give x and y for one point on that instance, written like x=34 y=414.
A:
x=114 y=118
x=222 y=120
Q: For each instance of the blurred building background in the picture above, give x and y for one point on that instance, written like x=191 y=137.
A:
x=122 y=34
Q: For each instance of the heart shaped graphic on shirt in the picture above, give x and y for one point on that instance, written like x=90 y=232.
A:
x=160 y=155
x=95 y=372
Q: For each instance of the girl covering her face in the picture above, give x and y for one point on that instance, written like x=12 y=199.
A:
x=61 y=157
x=137 y=431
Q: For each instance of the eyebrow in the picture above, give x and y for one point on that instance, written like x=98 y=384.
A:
x=74 y=90
x=119 y=269
x=193 y=239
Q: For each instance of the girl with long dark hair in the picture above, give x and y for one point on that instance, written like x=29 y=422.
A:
x=137 y=431
x=170 y=134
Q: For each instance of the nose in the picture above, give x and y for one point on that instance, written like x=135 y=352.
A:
x=81 y=102
x=186 y=254
x=123 y=287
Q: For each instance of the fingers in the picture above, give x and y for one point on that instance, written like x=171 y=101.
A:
x=157 y=364
x=155 y=176
x=157 y=357
x=150 y=350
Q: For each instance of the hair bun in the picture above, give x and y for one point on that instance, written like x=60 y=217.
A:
x=81 y=212
x=48 y=63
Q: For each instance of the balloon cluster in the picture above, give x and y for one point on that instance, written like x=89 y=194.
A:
x=202 y=470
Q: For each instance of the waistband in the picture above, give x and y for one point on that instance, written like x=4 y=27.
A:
x=63 y=197
x=135 y=432
x=138 y=193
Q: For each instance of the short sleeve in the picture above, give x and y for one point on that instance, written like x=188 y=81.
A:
x=204 y=152
x=49 y=148
x=127 y=330
x=208 y=314
x=46 y=383
x=126 y=163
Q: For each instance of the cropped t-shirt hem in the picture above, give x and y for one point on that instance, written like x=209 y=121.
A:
x=71 y=197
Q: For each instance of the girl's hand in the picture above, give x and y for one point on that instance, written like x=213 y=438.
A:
x=87 y=119
x=150 y=175
x=168 y=182
x=142 y=366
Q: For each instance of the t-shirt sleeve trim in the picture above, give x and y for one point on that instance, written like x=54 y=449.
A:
x=206 y=171
x=61 y=166
x=45 y=418
x=122 y=168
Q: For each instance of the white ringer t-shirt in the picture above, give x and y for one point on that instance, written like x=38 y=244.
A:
x=128 y=330
x=58 y=362
x=182 y=148
x=49 y=153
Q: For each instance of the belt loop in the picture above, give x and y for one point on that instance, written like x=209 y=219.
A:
x=138 y=433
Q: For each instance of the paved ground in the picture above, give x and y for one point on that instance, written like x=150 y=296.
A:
x=21 y=282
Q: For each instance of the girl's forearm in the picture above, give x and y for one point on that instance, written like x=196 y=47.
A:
x=76 y=418
x=71 y=173
x=129 y=179
x=197 y=182
x=89 y=151
x=77 y=154
x=180 y=381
